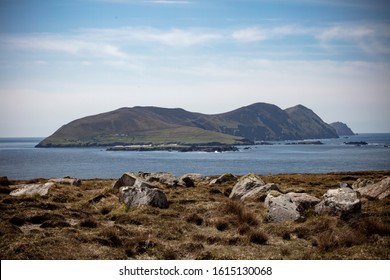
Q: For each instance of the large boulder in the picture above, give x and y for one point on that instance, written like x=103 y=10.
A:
x=31 y=189
x=224 y=178
x=303 y=200
x=165 y=178
x=260 y=193
x=361 y=182
x=135 y=192
x=131 y=179
x=281 y=209
x=246 y=184
x=380 y=190
x=343 y=202
x=141 y=195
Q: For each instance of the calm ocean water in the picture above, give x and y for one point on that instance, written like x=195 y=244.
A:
x=20 y=160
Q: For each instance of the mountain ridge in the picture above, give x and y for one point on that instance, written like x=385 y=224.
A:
x=157 y=125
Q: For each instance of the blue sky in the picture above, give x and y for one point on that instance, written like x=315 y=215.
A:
x=62 y=60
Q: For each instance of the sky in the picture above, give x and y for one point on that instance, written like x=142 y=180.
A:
x=63 y=60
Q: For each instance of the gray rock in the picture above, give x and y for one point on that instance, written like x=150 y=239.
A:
x=261 y=192
x=282 y=209
x=380 y=190
x=361 y=182
x=134 y=192
x=224 y=178
x=31 y=189
x=137 y=196
x=131 y=179
x=303 y=200
x=66 y=181
x=343 y=202
x=165 y=178
x=245 y=184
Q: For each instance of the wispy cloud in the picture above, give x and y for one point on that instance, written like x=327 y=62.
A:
x=57 y=43
x=253 y=34
x=173 y=37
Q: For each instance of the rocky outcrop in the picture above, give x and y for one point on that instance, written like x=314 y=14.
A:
x=31 y=189
x=343 y=202
x=303 y=200
x=66 y=181
x=131 y=180
x=246 y=184
x=361 y=182
x=342 y=129
x=380 y=190
x=281 y=209
x=142 y=195
x=260 y=193
x=288 y=207
x=135 y=192
x=224 y=178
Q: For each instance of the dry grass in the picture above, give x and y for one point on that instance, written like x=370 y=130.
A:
x=88 y=222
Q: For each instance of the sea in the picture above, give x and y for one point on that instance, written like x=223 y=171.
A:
x=20 y=160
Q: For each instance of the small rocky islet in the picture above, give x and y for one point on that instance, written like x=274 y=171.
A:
x=162 y=216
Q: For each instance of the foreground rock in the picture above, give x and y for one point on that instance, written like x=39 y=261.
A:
x=281 y=209
x=66 y=181
x=131 y=180
x=361 y=182
x=380 y=190
x=343 y=202
x=303 y=200
x=246 y=184
x=31 y=189
x=135 y=192
x=224 y=178
x=138 y=196
x=260 y=193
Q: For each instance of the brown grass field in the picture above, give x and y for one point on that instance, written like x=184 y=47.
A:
x=88 y=222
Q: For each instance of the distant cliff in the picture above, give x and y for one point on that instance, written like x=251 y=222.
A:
x=155 y=125
x=342 y=129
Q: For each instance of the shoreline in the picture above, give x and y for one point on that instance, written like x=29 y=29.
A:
x=332 y=173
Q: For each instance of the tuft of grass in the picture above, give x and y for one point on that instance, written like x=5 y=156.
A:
x=88 y=223
x=258 y=237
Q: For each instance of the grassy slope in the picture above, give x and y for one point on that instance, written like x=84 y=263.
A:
x=88 y=222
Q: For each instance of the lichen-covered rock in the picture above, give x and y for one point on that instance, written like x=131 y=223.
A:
x=224 y=178
x=135 y=192
x=137 y=196
x=31 y=189
x=380 y=190
x=282 y=209
x=261 y=192
x=361 y=182
x=343 y=202
x=303 y=200
x=129 y=180
x=245 y=184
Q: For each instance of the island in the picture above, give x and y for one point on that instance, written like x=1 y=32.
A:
x=152 y=128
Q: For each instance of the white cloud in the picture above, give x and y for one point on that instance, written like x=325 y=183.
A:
x=251 y=34
x=174 y=37
x=56 y=43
